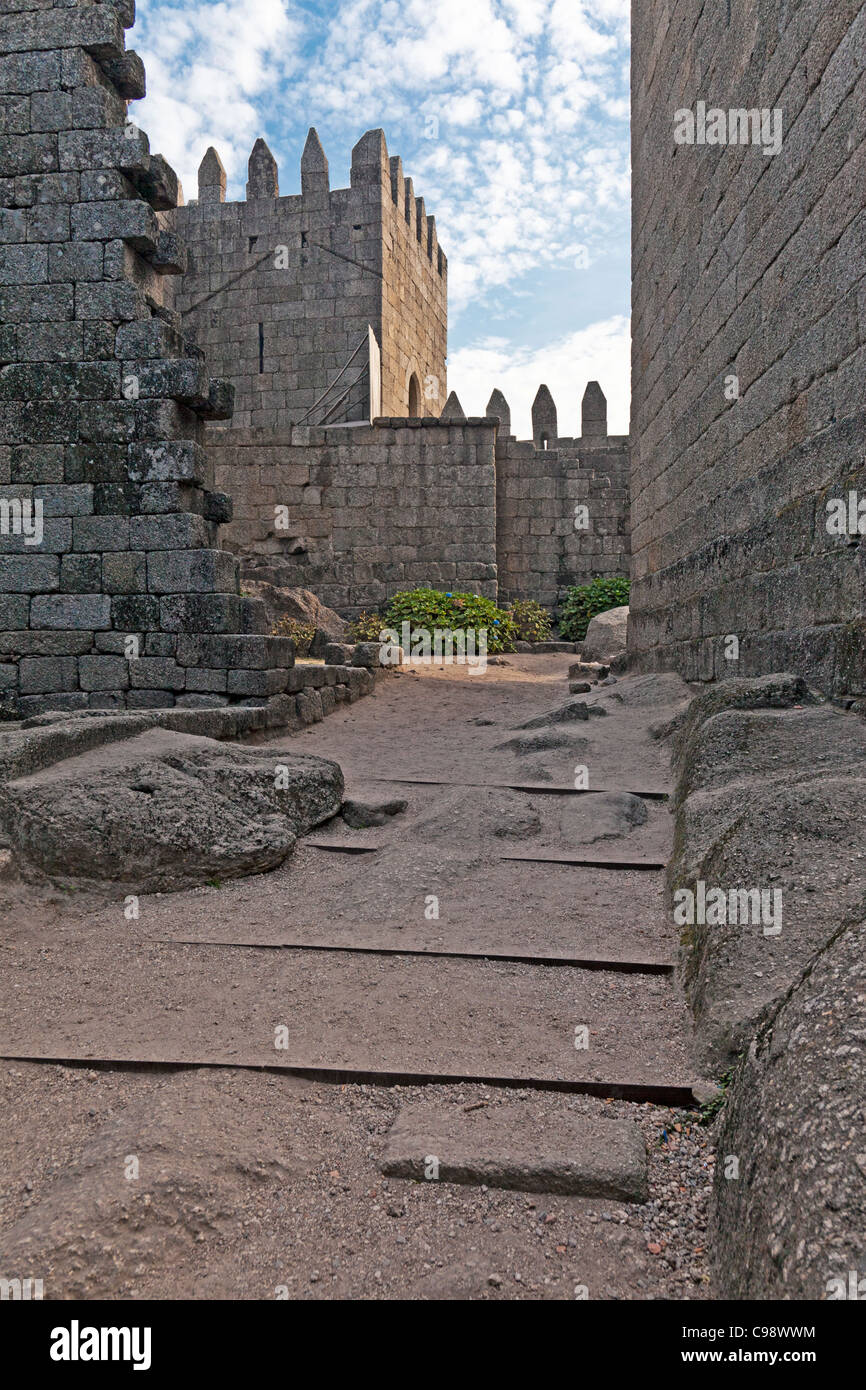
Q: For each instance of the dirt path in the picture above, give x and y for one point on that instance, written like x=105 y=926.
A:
x=440 y=944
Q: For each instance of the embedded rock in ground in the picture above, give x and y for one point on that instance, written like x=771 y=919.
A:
x=164 y=810
x=300 y=604
x=602 y=816
x=789 y=1200
x=770 y=809
x=606 y=635
x=527 y=744
x=500 y=1145
x=358 y=815
x=592 y=670
x=779 y=690
x=565 y=714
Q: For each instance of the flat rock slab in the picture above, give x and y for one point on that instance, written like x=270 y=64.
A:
x=500 y=1145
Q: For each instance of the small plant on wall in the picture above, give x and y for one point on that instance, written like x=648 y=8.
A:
x=302 y=634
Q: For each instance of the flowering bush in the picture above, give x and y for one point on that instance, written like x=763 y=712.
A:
x=430 y=609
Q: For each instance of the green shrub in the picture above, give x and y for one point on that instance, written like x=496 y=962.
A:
x=302 y=634
x=583 y=601
x=531 y=621
x=365 y=628
x=430 y=608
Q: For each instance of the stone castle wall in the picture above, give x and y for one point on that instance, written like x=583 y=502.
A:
x=561 y=504
x=113 y=593
x=748 y=276
x=280 y=291
x=357 y=514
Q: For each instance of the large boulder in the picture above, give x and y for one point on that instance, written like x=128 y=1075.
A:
x=789 y=1199
x=606 y=635
x=769 y=799
x=165 y=810
x=300 y=604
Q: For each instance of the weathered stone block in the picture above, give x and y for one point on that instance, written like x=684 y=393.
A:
x=28 y=574
x=156 y=672
x=261 y=683
x=191 y=571
x=39 y=675
x=75 y=611
x=103 y=673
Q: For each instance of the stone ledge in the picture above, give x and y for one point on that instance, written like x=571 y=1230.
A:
x=52 y=737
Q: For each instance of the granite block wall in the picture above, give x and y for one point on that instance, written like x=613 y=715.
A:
x=749 y=337
x=110 y=575
x=358 y=513
x=561 y=504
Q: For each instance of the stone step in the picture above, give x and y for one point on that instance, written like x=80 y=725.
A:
x=566 y=1029
x=500 y=1144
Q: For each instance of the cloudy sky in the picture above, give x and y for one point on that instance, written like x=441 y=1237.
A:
x=511 y=117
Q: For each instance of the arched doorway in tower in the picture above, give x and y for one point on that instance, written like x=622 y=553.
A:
x=414 y=395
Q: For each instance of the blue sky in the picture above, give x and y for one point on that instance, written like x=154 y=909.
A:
x=511 y=116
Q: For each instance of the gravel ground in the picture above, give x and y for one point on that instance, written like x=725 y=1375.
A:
x=258 y=1186
x=223 y=1182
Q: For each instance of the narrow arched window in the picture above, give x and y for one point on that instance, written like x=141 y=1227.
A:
x=414 y=395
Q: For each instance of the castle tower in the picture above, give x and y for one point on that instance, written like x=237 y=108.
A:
x=282 y=291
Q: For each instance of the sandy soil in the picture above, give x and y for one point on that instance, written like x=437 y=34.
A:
x=251 y=1181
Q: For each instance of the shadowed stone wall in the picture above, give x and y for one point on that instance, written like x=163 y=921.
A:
x=358 y=513
x=748 y=338
x=113 y=593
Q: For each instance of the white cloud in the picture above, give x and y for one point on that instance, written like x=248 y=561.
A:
x=531 y=102
x=599 y=352
x=209 y=66
x=511 y=116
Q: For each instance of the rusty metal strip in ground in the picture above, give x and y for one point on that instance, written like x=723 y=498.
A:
x=562 y=789
x=350 y=847
x=662 y=1094
x=553 y=858
x=342 y=847
x=622 y=967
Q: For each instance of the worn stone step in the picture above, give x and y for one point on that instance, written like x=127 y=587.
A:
x=583 y=1030
x=500 y=1144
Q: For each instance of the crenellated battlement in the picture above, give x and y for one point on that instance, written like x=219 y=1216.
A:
x=372 y=168
x=562 y=504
